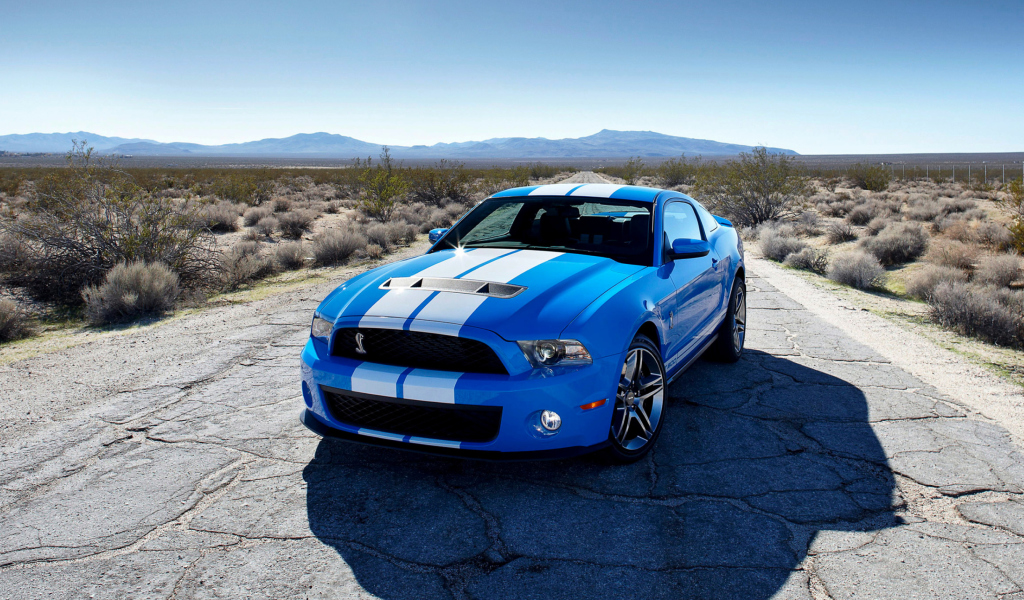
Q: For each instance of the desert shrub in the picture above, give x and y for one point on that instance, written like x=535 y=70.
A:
x=808 y=223
x=923 y=210
x=294 y=224
x=244 y=263
x=987 y=313
x=267 y=226
x=994 y=234
x=251 y=186
x=253 y=215
x=898 y=243
x=922 y=283
x=856 y=269
x=14 y=254
x=14 y=322
x=131 y=290
x=335 y=246
x=957 y=205
x=290 y=256
x=836 y=208
x=220 y=217
x=280 y=205
x=837 y=233
x=383 y=185
x=404 y=233
x=444 y=182
x=332 y=208
x=864 y=213
x=1000 y=270
x=757 y=188
x=90 y=216
x=951 y=253
x=809 y=259
x=633 y=170
x=374 y=252
x=831 y=183
x=495 y=180
x=678 y=171
x=1014 y=203
x=776 y=245
x=957 y=229
x=875 y=178
x=876 y=225
x=378 y=234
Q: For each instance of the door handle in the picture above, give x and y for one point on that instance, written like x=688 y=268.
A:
x=714 y=263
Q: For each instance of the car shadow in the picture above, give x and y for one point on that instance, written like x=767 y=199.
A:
x=755 y=459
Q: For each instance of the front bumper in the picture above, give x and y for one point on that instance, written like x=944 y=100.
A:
x=522 y=396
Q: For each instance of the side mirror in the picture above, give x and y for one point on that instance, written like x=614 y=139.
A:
x=436 y=234
x=683 y=248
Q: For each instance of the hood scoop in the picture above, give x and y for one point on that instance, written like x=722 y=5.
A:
x=490 y=289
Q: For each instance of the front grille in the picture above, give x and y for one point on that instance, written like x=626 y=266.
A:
x=417 y=349
x=453 y=422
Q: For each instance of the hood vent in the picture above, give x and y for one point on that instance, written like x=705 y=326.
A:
x=490 y=289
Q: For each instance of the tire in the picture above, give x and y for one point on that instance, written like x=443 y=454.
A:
x=732 y=333
x=640 y=401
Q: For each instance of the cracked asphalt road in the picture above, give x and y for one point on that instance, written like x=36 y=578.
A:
x=169 y=463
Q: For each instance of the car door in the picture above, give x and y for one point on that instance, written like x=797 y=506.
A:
x=713 y=231
x=694 y=300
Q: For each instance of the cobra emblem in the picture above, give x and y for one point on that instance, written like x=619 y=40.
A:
x=359 y=344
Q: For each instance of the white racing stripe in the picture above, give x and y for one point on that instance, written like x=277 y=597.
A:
x=597 y=190
x=555 y=189
x=430 y=386
x=379 y=380
x=402 y=302
x=458 y=308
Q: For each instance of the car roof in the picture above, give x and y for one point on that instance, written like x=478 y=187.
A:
x=586 y=190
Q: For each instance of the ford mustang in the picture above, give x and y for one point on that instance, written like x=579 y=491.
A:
x=546 y=322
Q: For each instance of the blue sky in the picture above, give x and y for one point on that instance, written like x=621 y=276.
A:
x=817 y=77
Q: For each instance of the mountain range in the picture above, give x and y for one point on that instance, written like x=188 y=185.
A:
x=606 y=143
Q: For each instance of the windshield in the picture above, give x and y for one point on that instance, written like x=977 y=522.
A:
x=616 y=229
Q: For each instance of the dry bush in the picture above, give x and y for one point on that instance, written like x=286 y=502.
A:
x=898 y=243
x=757 y=188
x=280 y=205
x=88 y=217
x=404 y=233
x=336 y=246
x=131 y=290
x=244 y=263
x=837 y=233
x=875 y=178
x=267 y=225
x=857 y=269
x=988 y=313
x=957 y=205
x=374 y=252
x=253 y=215
x=995 y=235
x=220 y=217
x=252 y=235
x=809 y=259
x=14 y=254
x=808 y=224
x=14 y=322
x=951 y=253
x=776 y=245
x=290 y=256
x=332 y=208
x=444 y=182
x=923 y=210
x=959 y=230
x=836 y=208
x=1000 y=270
x=876 y=225
x=294 y=224
x=923 y=282
x=862 y=214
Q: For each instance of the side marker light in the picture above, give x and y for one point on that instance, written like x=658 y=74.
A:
x=594 y=404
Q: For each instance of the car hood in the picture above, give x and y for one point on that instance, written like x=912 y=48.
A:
x=555 y=288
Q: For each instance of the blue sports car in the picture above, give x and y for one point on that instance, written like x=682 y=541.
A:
x=546 y=322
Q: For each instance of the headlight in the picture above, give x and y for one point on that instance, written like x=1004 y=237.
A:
x=548 y=353
x=321 y=328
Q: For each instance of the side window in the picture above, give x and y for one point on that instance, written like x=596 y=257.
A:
x=706 y=219
x=681 y=222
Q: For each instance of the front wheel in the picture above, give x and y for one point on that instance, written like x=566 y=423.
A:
x=639 y=403
x=733 y=332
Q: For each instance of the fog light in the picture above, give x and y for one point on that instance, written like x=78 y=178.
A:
x=550 y=420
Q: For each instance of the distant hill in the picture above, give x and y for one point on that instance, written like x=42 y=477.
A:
x=61 y=142
x=605 y=143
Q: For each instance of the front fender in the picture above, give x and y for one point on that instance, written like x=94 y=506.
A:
x=606 y=327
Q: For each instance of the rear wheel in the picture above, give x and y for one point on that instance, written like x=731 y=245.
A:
x=733 y=332
x=639 y=403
